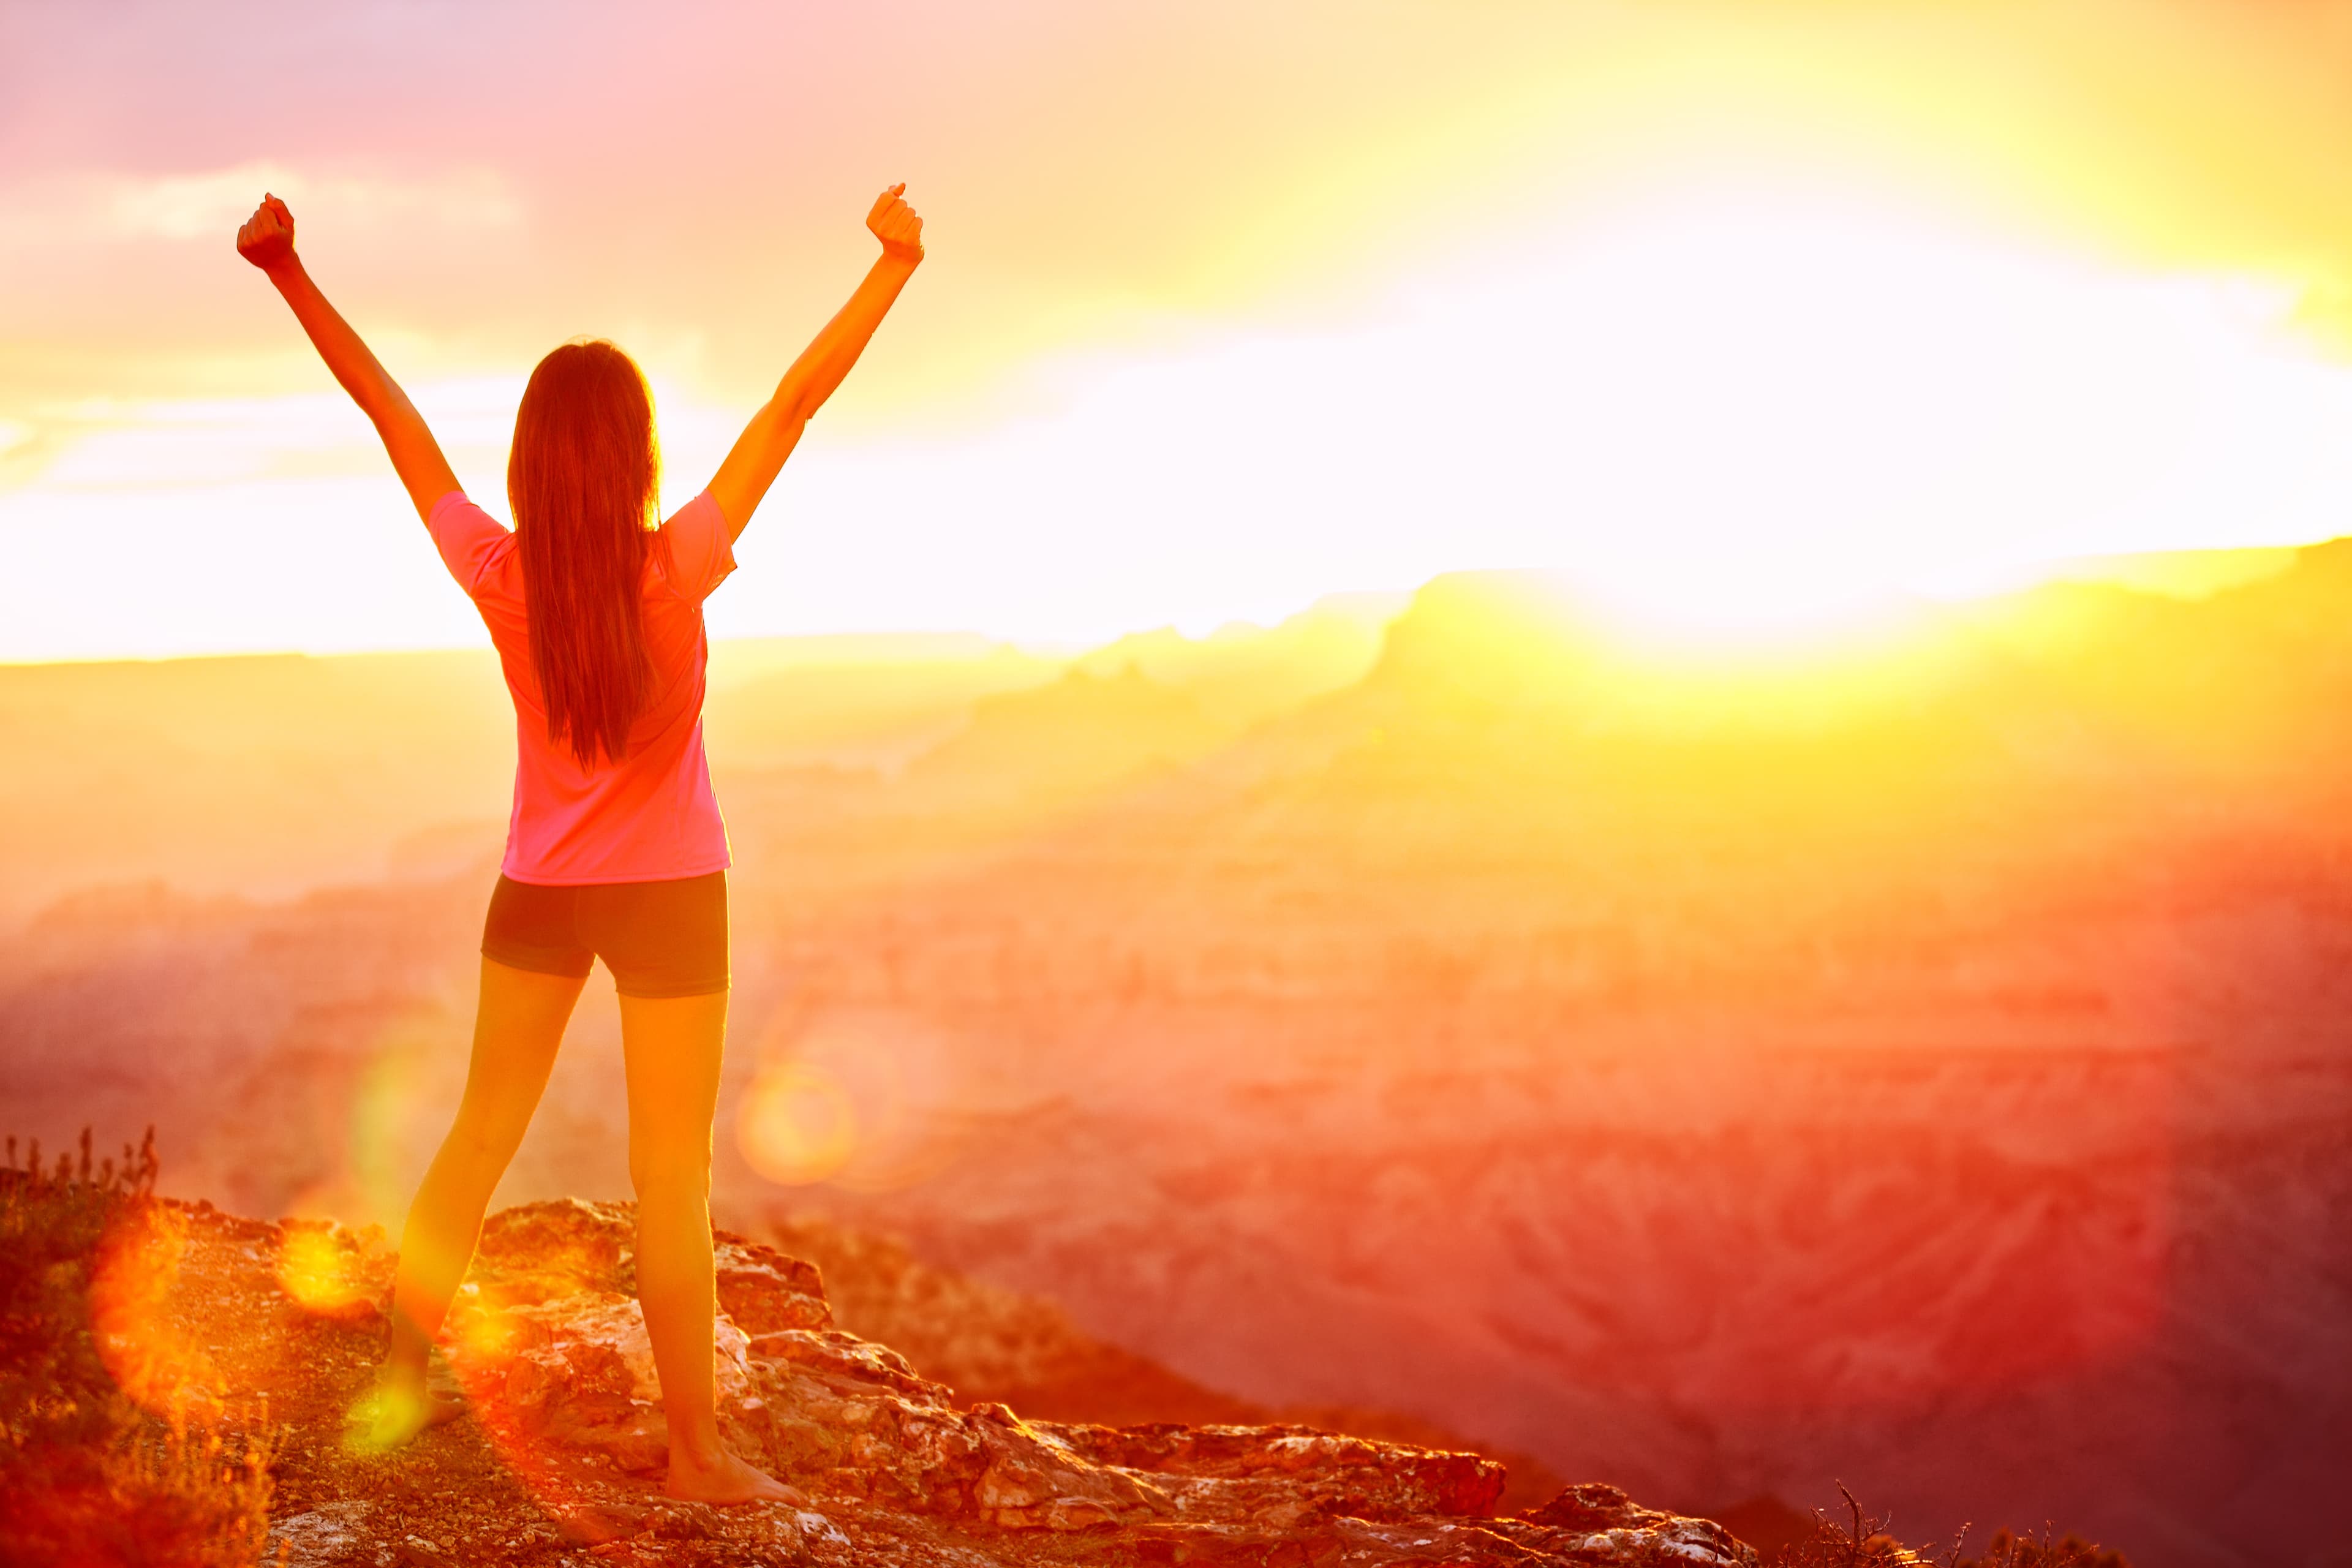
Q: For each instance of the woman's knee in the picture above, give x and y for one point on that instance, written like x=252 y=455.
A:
x=657 y=1171
x=482 y=1142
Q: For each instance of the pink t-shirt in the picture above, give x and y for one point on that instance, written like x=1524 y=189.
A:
x=650 y=817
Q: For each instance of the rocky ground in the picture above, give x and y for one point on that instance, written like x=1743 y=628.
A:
x=273 y=1331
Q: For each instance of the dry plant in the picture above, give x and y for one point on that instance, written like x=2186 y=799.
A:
x=2010 y=1549
x=87 y=1477
x=1866 y=1541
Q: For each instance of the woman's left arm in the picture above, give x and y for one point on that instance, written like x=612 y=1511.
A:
x=758 y=454
x=267 y=241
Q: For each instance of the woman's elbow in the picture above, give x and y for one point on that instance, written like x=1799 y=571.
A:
x=791 y=407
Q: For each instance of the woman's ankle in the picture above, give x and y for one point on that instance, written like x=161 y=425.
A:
x=710 y=1455
x=405 y=1371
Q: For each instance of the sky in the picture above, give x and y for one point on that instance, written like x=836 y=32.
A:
x=1745 y=314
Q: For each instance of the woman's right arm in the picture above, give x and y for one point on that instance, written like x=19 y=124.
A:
x=759 y=452
x=267 y=241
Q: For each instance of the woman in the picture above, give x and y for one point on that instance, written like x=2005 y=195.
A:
x=615 y=847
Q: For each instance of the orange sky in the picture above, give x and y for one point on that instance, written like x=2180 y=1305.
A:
x=1227 y=304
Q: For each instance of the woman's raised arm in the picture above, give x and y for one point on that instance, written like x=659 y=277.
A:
x=759 y=452
x=267 y=241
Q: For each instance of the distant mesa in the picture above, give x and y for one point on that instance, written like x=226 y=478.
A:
x=1079 y=734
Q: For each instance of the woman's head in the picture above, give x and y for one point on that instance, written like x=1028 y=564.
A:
x=581 y=480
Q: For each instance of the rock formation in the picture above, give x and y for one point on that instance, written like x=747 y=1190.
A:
x=1006 y=1348
x=561 y=1459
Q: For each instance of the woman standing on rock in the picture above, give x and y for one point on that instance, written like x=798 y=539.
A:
x=615 y=847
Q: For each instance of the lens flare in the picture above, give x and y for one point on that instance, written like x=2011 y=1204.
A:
x=150 y=1357
x=891 y=1079
x=796 y=1124
x=320 y=1266
x=482 y=1330
x=397 y=1111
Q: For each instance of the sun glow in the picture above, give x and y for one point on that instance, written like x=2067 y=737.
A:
x=1729 y=413
x=1751 y=414
x=1742 y=414
x=1759 y=318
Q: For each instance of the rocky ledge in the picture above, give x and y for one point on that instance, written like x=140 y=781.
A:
x=561 y=1459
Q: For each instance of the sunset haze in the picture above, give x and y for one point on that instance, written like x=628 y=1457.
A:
x=1752 y=315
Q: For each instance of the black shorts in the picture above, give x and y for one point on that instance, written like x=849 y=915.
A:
x=659 y=939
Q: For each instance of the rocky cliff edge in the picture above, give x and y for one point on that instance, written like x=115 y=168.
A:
x=272 y=1330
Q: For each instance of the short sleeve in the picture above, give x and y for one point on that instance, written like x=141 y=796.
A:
x=468 y=537
x=700 y=553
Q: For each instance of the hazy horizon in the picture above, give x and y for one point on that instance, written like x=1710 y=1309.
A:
x=2166 y=574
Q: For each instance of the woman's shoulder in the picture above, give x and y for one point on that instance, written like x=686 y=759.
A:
x=473 y=545
x=693 y=552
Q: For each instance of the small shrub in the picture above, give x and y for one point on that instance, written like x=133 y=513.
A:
x=87 y=1477
x=1866 y=1541
x=2008 y=1549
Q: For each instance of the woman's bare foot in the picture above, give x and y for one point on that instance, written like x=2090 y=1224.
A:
x=399 y=1409
x=725 y=1479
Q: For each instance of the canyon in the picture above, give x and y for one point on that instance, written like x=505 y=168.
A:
x=1921 y=1064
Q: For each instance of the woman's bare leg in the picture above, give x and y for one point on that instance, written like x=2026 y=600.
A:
x=673 y=1047
x=517 y=1029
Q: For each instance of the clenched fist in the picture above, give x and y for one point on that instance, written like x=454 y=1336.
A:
x=894 y=223
x=267 y=238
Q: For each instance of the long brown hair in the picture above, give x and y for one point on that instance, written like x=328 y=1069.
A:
x=581 y=479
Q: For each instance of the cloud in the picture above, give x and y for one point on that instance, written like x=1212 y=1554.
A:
x=171 y=445
x=63 y=209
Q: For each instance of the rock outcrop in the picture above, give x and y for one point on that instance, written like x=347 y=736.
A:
x=1000 y=1346
x=562 y=1456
